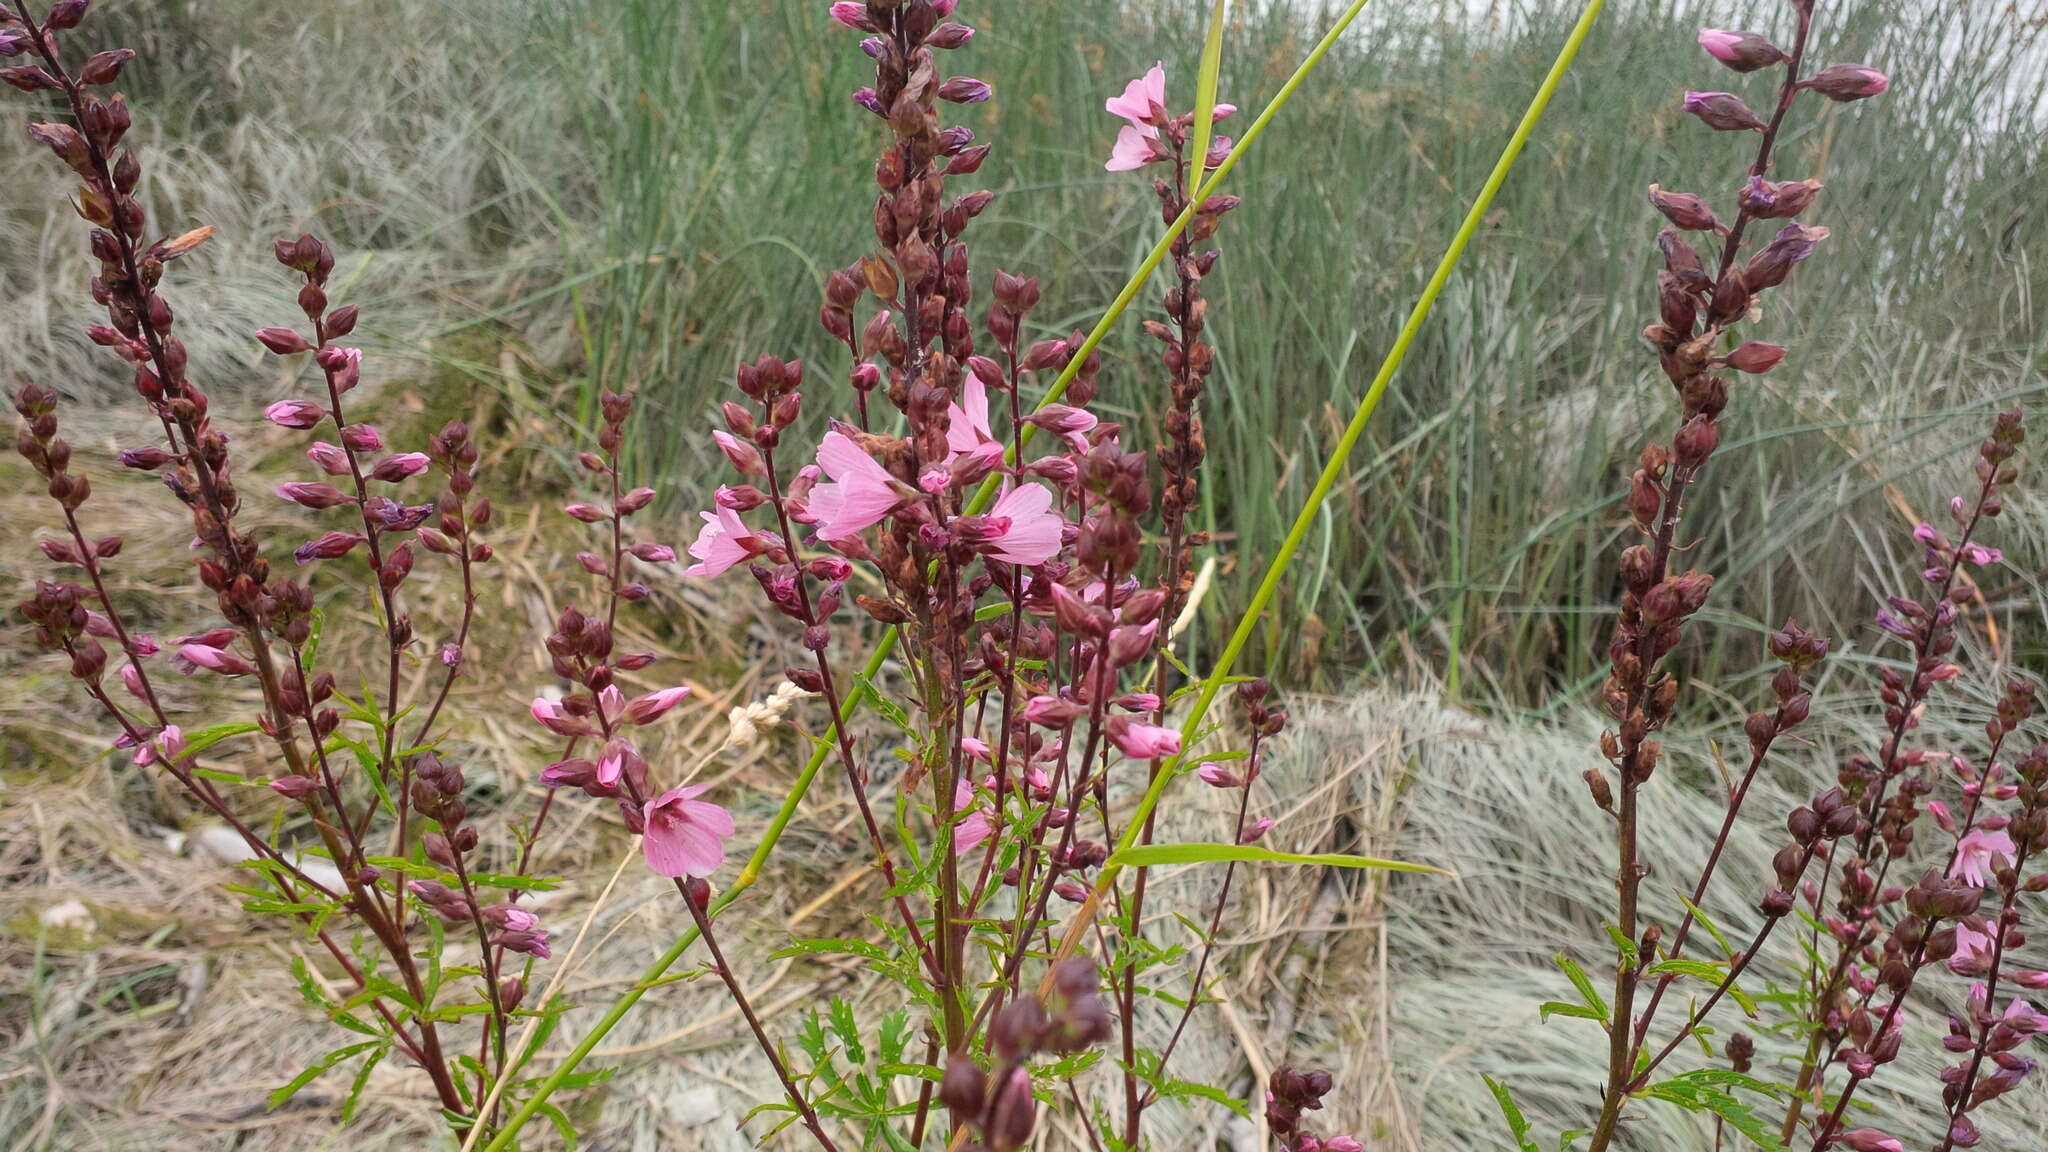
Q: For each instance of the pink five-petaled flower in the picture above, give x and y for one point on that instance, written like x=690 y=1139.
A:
x=1143 y=107
x=1217 y=776
x=1869 y=1140
x=1141 y=741
x=1143 y=102
x=685 y=836
x=1133 y=150
x=1972 y=956
x=1023 y=529
x=725 y=540
x=649 y=708
x=861 y=492
x=1974 y=853
x=967 y=427
x=189 y=657
x=560 y=720
x=972 y=828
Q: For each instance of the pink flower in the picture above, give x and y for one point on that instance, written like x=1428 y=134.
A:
x=2021 y=1017
x=511 y=916
x=332 y=546
x=1972 y=956
x=611 y=703
x=1133 y=150
x=193 y=656
x=1050 y=711
x=724 y=541
x=313 y=494
x=295 y=413
x=1024 y=528
x=163 y=748
x=343 y=365
x=861 y=492
x=1742 y=51
x=853 y=14
x=1255 y=830
x=973 y=828
x=620 y=759
x=1143 y=102
x=1974 y=854
x=330 y=458
x=1216 y=775
x=282 y=341
x=967 y=426
x=402 y=466
x=1141 y=741
x=362 y=438
x=975 y=747
x=744 y=457
x=685 y=836
x=559 y=720
x=1869 y=1140
x=646 y=709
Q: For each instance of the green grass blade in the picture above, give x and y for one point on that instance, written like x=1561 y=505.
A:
x=1154 y=855
x=1205 y=95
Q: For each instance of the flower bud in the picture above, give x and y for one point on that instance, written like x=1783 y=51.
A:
x=1684 y=210
x=1722 y=111
x=1740 y=51
x=1846 y=82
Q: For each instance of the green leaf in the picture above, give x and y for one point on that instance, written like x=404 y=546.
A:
x=1709 y=973
x=1563 y=1008
x=1186 y=1089
x=560 y=1120
x=319 y=1067
x=1518 y=1125
x=890 y=710
x=1584 y=984
x=847 y=1030
x=1702 y=1091
x=1622 y=944
x=355 y=1088
x=895 y=1036
x=1205 y=95
x=1152 y=855
x=827 y=946
x=200 y=741
x=1699 y=914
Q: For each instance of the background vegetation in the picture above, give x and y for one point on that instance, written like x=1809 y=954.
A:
x=539 y=198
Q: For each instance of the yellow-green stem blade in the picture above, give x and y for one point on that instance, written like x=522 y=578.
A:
x=1276 y=568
